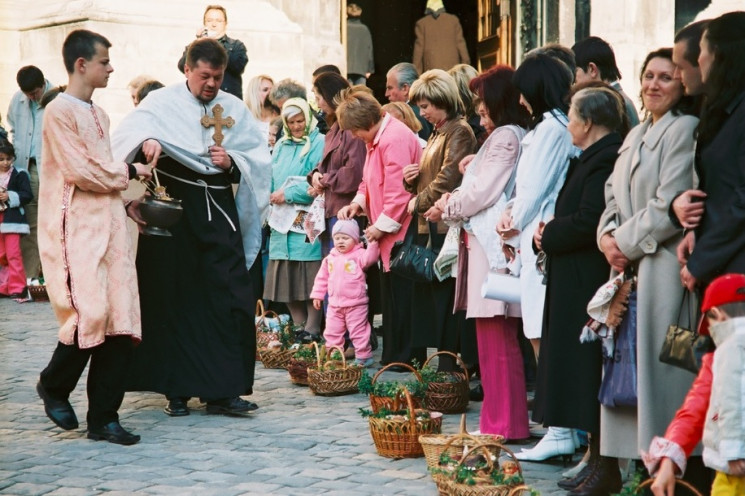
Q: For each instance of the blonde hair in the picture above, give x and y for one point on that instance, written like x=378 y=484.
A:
x=439 y=88
x=357 y=109
x=463 y=73
x=407 y=115
x=253 y=101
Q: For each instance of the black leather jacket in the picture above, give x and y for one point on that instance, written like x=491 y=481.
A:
x=237 y=60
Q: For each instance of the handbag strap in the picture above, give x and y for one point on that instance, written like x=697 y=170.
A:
x=691 y=322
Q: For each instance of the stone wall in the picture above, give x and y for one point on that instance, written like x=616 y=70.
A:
x=284 y=38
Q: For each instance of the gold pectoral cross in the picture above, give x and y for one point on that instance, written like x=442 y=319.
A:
x=218 y=122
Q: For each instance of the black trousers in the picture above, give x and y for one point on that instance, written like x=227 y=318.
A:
x=396 y=300
x=109 y=362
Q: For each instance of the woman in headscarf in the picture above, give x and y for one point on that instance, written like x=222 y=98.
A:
x=293 y=262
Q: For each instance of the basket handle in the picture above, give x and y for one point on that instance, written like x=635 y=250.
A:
x=405 y=365
x=341 y=352
x=457 y=360
x=483 y=446
x=409 y=403
x=680 y=482
x=515 y=491
x=318 y=354
x=259 y=307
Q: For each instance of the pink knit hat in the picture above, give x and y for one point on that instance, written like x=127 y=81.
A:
x=348 y=227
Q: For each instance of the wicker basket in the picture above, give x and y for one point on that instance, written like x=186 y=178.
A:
x=298 y=370
x=378 y=402
x=263 y=333
x=335 y=382
x=275 y=358
x=690 y=489
x=38 y=293
x=484 y=485
x=435 y=445
x=399 y=438
x=448 y=397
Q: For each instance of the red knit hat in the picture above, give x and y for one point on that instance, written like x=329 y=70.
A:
x=729 y=288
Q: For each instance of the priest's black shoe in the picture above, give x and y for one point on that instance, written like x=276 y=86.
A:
x=476 y=393
x=176 y=407
x=59 y=411
x=113 y=432
x=231 y=406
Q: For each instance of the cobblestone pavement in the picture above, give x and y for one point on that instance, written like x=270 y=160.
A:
x=295 y=444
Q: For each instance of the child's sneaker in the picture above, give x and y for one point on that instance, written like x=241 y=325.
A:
x=365 y=362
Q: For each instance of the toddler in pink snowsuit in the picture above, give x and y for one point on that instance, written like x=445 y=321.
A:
x=342 y=274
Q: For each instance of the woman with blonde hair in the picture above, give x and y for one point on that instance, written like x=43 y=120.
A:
x=403 y=112
x=436 y=94
x=257 y=100
x=463 y=75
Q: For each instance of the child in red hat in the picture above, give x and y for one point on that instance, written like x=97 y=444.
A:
x=714 y=409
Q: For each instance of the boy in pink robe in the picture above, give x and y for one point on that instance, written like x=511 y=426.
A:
x=85 y=247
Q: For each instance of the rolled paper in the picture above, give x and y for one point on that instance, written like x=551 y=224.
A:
x=502 y=287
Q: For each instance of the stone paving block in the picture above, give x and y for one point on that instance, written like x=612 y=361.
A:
x=122 y=485
x=72 y=491
x=326 y=474
x=27 y=489
x=403 y=474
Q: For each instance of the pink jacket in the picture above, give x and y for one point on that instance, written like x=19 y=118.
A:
x=343 y=276
x=381 y=193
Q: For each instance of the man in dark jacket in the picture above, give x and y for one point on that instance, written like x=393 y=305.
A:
x=215 y=23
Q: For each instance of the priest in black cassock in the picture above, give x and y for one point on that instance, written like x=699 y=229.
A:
x=198 y=336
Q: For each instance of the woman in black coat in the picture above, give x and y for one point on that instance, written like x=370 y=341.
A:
x=568 y=371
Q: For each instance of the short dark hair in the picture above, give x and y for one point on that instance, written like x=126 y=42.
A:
x=600 y=53
x=329 y=85
x=544 y=81
x=215 y=7
x=146 y=87
x=207 y=50
x=327 y=68
x=7 y=148
x=559 y=52
x=692 y=34
x=81 y=43
x=500 y=96
x=29 y=78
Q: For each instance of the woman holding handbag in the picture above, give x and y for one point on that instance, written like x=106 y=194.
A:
x=436 y=95
x=381 y=195
x=655 y=162
x=488 y=181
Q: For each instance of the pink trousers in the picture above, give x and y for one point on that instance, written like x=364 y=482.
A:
x=10 y=255
x=505 y=407
x=354 y=320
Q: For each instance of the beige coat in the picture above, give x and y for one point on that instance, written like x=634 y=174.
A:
x=655 y=162
x=86 y=251
x=439 y=43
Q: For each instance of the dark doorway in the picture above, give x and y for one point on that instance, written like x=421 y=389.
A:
x=391 y=23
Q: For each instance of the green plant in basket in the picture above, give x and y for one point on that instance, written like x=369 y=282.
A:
x=305 y=353
x=388 y=389
x=477 y=470
x=630 y=488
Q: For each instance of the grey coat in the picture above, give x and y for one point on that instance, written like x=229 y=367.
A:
x=655 y=162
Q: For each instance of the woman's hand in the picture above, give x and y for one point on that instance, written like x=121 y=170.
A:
x=278 y=197
x=615 y=257
x=372 y=233
x=316 y=181
x=317 y=303
x=442 y=203
x=664 y=481
x=685 y=248
x=689 y=208
x=411 y=172
x=434 y=214
x=411 y=207
x=465 y=162
x=348 y=212
x=538 y=235
x=509 y=252
x=687 y=279
x=505 y=228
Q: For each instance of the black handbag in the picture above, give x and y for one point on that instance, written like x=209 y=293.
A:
x=412 y=261
x=684 y=347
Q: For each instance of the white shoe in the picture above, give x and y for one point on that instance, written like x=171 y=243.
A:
x=557 y=442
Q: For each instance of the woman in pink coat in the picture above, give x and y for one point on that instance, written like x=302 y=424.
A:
x=381 y=195
x=488 y=182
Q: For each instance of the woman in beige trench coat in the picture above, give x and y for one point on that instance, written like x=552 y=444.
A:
x=655 y=162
